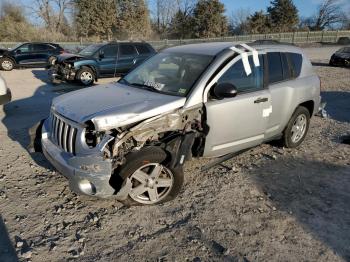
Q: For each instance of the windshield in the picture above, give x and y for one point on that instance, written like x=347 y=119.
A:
x=170 y=73
x=344 y=50
x=90 y=50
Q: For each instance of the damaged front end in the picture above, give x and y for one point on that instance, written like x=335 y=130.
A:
x=90 y=158
x=63 y=68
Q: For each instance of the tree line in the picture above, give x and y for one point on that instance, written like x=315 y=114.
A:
x=69 y=20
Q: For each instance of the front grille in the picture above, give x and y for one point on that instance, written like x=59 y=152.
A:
x=63 y=134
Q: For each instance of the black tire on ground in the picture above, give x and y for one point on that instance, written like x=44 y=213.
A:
x=146 y=155
x=81 y=76
x=287 y=135
x=9 y=62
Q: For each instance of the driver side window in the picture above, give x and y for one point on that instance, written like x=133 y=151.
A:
x=25 y=48
x=237 y=76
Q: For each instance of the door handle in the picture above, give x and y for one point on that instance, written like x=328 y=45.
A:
x=261 y=100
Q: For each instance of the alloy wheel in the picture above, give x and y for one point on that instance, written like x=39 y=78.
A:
x=7 y=65
x=151 y=183
x=86 y=78
x=299 y=128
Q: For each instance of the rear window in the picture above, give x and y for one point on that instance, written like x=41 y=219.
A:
x=275 y=67
x=127 y=50
x=143 y=49
x=296 y=61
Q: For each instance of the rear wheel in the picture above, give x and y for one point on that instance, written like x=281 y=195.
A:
x=6 y=64
x=153 y=182
x=297 y=128
x=86 y=76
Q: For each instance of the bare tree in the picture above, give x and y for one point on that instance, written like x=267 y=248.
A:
x=238 y=20
x=329 y=13
x=52 y=12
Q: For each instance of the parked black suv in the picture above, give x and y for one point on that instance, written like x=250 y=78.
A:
x=100 y=60
x=29 y=55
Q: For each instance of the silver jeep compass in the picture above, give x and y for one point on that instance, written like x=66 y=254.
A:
x=131 y=139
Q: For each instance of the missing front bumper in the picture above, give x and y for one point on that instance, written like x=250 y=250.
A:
x=87 y=175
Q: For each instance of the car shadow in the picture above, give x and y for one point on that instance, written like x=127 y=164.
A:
x=315 y=193
x=7 y=252
x=23 y=114
x=320 y=64
x=338 y=105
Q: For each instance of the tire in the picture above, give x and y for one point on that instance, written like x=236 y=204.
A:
x=145 y=160
x=86 y=76
x=297 y=128
x=6 y=64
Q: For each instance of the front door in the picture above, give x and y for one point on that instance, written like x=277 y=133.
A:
x=240 y=122
x=23 y=54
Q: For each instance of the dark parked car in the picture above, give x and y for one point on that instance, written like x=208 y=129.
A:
x=29 y=55
x=100 y=60
x=341 y=57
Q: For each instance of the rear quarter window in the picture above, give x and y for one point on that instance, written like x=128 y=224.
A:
x=275 y=67
x=142 y=49
x=296 y=61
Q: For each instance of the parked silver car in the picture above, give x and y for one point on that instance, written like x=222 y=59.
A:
x=131 y=139
x=5 y=93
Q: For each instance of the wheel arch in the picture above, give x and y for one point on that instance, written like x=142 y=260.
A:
x=309 y=105
x=11 y=58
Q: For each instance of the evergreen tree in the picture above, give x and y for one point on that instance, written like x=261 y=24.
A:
x=209 y=19
x=181 y=25
x=259 y=23
x=133 y=20
x=284 y=15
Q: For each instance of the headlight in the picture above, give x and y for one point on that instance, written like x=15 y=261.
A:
x=92 y=137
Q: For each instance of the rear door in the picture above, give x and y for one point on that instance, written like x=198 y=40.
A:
x=41 y=53
x=108 y=59
x=281 y=81
x=240 y=122
x=127 y=58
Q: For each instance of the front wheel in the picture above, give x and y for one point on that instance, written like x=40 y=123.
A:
x=86 y=76
x=297 y=128
x=153 y=182
x=6 y=64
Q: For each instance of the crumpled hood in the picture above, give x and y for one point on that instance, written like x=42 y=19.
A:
x=65 y=57
x=114 y=105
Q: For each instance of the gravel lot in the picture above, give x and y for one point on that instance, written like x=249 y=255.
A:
x=268 y=204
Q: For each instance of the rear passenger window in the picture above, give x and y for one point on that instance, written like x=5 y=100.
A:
x=127 y=50
x=296 y=61
x=110 y=51
x=142 y=49
x=275 y=67
x=237 y=76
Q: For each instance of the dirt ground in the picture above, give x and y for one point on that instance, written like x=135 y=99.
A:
x=268 y=204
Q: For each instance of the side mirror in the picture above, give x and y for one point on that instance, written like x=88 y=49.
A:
x=18 y=51
x=101 y=55
x=224 y=90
